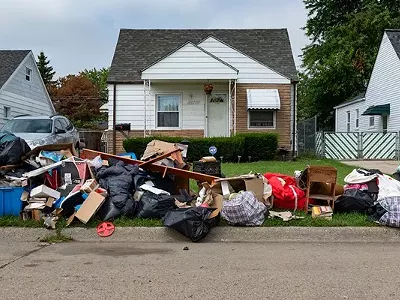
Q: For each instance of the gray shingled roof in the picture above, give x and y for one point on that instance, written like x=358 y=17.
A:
x=138 y=48
x=9 y=61
x=394 y=37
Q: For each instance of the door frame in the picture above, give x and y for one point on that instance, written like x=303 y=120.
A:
x=206 y=133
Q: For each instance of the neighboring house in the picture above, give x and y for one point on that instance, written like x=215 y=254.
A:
x=157 y=78
x=22 y=90
x=379 y=109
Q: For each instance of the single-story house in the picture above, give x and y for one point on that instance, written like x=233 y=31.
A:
x=378 y=109
x=22 y=91
x=203 y=83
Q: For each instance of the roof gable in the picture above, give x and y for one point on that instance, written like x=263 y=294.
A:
x=9 y=62
x=189 y=62
x=138 y=48
x=394 y=38
x=238 y=59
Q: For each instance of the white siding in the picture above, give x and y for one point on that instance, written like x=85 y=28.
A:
x=250 y=71
x=341 y=118
x=384 y=85
x=23 y=96
x=130 y=103
x=189 y=62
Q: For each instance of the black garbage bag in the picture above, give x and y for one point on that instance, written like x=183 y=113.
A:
x=11 y=151
x=118 y=181
x=354 y=200
x=108 y=211
x=152 y=206
x=193 y=222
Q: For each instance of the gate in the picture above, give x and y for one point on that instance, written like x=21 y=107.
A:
x=358 y=145
x=379 y=145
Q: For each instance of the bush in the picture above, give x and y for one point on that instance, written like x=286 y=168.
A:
x=260 y=146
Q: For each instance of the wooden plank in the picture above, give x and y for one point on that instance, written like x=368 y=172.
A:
x=158 y=158
x=90 y=154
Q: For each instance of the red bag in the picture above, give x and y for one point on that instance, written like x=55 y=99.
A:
x=286 y=193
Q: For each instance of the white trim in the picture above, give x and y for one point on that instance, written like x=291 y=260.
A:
x=349 y=103
x=261 y=128
x=180 y=111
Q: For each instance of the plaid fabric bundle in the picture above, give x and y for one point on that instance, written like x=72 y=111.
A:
x=392 y=206
x=244 y=210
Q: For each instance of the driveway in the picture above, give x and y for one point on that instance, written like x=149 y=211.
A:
x=385 y=166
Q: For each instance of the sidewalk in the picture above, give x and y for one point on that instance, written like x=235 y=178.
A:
x=386 y=166
x=217 y=235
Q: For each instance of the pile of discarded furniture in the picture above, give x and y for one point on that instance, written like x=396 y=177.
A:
x=55 y=181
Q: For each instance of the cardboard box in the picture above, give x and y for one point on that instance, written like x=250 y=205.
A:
x=25 y=196
x=50 y=201
x=43 y=191
x=322 y=212
x=226 y=186
x=90 y=185
x=89 y=207
x=36 y=214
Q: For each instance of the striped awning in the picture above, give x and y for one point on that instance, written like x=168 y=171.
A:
x=263 y=99
x=378 y=110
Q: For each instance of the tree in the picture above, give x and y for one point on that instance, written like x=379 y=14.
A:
x=45 y=70
x=345 y=37
x=98 y=78
x=76 y=97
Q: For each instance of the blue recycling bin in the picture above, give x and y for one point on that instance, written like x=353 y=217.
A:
x=10 y=201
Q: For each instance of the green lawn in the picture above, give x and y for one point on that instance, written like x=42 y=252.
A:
x=234 y=169
x=284 y=167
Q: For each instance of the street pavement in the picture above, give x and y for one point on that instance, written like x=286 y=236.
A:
x=108 y=270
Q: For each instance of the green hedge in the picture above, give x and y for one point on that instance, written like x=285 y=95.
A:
x=260 y=146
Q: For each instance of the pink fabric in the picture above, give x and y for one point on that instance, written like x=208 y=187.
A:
x=357 y=186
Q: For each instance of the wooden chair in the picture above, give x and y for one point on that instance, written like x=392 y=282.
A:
x=324 y=175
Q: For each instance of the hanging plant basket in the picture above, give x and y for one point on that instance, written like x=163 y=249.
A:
x=208 y=88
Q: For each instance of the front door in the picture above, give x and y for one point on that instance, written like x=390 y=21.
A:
x=217 y=115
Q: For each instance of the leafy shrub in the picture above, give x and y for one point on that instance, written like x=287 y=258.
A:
x=260 y=146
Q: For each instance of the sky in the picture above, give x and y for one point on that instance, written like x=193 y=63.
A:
x=82 y=34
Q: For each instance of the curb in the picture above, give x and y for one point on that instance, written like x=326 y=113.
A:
x=217 y=235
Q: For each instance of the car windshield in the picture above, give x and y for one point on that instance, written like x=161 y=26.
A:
x=28 y=126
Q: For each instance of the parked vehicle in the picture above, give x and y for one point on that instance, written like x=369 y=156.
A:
x=43 y=130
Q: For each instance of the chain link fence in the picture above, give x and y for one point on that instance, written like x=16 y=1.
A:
x=306 y=137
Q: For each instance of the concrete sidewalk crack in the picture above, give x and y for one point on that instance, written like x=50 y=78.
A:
x=23 y=256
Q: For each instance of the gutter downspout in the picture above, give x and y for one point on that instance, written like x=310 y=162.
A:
x=294 y=118
x=114 y=119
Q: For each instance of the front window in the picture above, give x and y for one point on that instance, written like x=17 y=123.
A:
x=371 y=121
x=7 y=112
x=28 y=126
x=357 y=118
x=261 y=118
x=348 y=121
x=168 y=108
x=28 y=74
